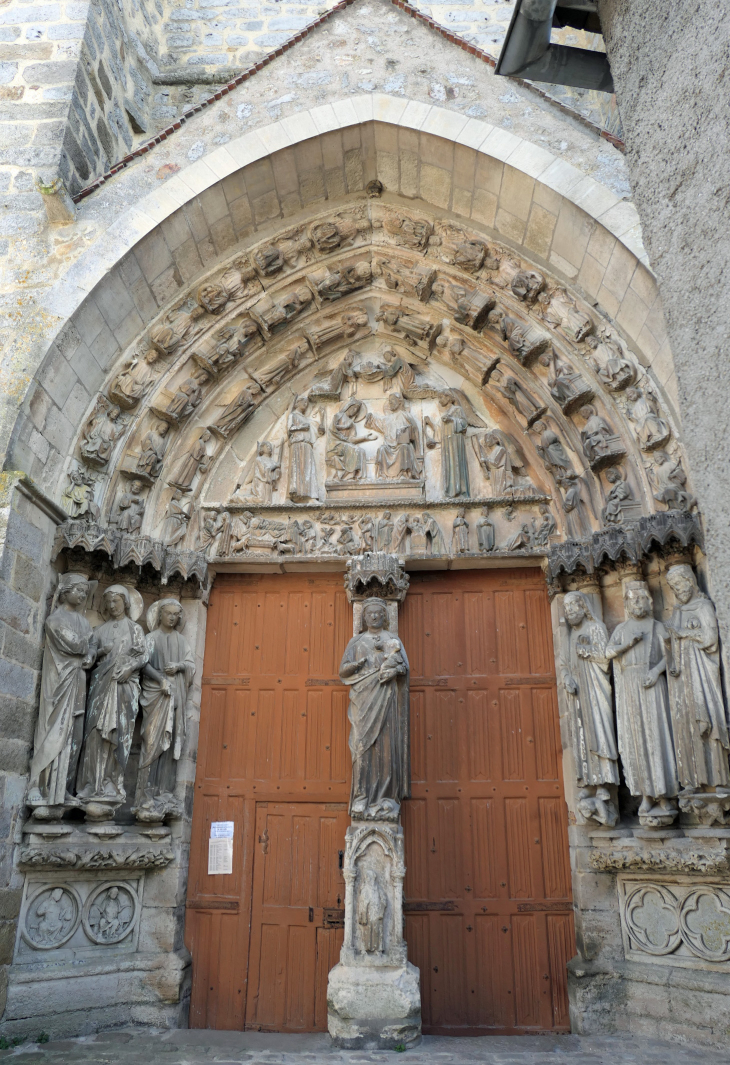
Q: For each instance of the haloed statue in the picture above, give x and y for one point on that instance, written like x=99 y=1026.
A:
x=166 y=681
x=375 y=667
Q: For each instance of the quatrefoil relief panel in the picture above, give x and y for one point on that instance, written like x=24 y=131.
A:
x=652 y=919
x=704 y=919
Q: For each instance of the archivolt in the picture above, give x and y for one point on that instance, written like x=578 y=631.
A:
x=436 y=304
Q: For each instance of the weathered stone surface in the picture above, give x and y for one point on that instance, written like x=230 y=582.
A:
x=374 y=1007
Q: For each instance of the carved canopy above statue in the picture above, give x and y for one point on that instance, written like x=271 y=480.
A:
x=374 y=379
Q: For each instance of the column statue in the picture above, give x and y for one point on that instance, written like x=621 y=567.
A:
x=113 y=699
x=587 y=682
x=699 y=720
x=642 y=707
x=70 y=650
x=166 y=681
x=375 y=667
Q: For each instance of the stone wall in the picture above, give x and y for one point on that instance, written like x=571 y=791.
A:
x=679 y=157
x=25 y=589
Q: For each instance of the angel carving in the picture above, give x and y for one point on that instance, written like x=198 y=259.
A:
x=500 y=458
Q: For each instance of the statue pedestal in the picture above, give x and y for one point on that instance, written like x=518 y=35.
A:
x=373 y=995
x=374 y=1007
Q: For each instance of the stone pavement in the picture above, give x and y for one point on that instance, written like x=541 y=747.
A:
x=201 y=1047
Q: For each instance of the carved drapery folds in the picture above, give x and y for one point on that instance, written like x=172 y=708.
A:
x=419 y=354
x=670 y=712
x=95 y=684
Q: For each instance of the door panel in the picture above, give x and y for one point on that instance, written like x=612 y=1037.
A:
x=488 y=897
x=296 y=876
x=488 y=908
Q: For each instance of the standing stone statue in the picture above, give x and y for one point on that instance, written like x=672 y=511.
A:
x=371 y=906
x=113 y=699
x=302 y=466
x=70 y=650
x=699 y=721
x=587 y=682
x=642 y=707
x=166 y=681
x=375 y=667
x=485 y=531
x=455 y=468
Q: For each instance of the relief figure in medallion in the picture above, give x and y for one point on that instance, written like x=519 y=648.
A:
x=113 y=699
x=586 y=674
x=699 y=720
x=166 y=681
x=637 y=648
x=375 y=667
x=69 y=651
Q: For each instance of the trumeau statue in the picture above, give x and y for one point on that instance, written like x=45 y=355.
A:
x=69 y=651
x=166 y=680
x=113 y=698
x=587 y=682
x=637 y=648
x=375 y=667
x=699 y=720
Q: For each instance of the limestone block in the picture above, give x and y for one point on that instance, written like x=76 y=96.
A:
x=368 y=1007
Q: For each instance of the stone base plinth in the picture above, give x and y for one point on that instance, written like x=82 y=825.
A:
x=374 y=1006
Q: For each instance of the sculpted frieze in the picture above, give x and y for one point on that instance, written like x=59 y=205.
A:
x=280 y=317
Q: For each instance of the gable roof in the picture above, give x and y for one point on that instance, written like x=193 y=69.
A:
x=272 y=56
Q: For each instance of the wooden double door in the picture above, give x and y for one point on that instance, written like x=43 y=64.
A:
x=488 y=901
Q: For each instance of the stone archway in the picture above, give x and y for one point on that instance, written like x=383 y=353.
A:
x=483 y=301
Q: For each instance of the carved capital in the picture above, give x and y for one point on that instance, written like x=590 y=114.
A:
x=376 y=574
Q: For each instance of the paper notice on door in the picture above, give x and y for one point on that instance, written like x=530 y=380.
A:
x=221 y=830
x=220 y=856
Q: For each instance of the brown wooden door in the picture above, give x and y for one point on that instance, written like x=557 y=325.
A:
x=297 y=913
x=489 y=913
x=272 y=746
x=489 y=918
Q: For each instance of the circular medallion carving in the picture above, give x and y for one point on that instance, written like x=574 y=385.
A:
x=110 y=913
x=52 y=917
x=704 y=918
x=652 y=920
